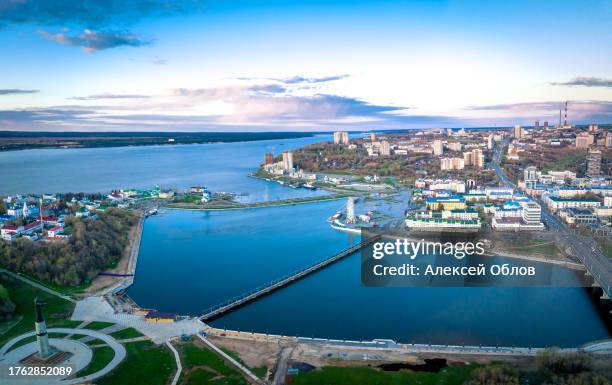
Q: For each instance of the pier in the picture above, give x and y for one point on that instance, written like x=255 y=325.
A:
x=249 y=296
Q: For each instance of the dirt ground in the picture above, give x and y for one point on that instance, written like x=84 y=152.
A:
x=252 y=353
x=256 y=353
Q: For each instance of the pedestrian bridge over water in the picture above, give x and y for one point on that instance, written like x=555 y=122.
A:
x=249 y=296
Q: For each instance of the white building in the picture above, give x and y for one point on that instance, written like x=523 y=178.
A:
x=438 y=149
x=341 y=137
x=451 y=164
x=287 y=161
x=385 y=148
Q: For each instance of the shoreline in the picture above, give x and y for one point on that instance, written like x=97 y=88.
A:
x=391 y=345
x=129 y=261
x=257 y=205
x=115 y=141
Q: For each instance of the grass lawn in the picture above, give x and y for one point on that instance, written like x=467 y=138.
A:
x=97 y=325
x=57 y=310
x=101 y=357
x=95 y=341
x=454 y=375
x=195 y=356
x=145 y=363
x=126 y=333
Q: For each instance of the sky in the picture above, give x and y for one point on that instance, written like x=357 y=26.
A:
x=191 y=65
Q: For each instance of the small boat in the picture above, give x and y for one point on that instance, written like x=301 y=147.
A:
x=335 y=217
x=309 y=186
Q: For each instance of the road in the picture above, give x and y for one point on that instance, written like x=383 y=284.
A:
x=584 y=248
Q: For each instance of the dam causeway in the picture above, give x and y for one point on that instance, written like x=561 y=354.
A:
x=249 y=296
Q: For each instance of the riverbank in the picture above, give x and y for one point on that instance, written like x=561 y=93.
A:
x=103 y=284
x=13 y=140
x=230 y=205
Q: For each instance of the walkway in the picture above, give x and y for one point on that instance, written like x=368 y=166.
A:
x=37 y=285
x=240 y=300
x=250 y=375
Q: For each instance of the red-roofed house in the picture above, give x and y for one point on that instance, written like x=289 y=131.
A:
x=55 y=231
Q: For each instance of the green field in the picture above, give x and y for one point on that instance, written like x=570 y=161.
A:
x=126 y=333
x=98 y=325
x=202 y=366
x=454 y=375
x=101 y=357
x=146 y=363
x=57 y=310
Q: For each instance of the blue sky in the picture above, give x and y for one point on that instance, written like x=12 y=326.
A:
x=301 y=65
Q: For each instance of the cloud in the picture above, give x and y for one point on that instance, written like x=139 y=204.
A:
x=92 y=41
x=16 y=91
x=110 y=96
x=90 y=13
x=263 y=106
x=104 y=22
x=586 y=82
x=159 y=61
x=579 y=111
x=307 y=80
x=298 y=79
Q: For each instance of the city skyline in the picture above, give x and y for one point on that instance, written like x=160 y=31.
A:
x=309 y=66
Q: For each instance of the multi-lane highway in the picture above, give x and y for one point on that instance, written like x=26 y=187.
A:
x=585 y=249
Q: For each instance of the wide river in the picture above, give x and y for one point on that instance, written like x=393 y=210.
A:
x=192 y=260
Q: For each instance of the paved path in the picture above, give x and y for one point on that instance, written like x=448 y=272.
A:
x=110 y=341
x=37 y=285
x=179 y=367
x=97 y=309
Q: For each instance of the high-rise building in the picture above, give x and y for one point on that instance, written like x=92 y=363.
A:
x=490 y=142
x=518 y=131
x=437 y=147
x=593 y=128
x=584 y=140
x=287 y=161
x=608 y=140
x=546 y=124
x=536 y=126
x=451 y=164
x=594 y=163
x=454 y=146
x=474 y=158
x=385 y=148
x=530 y=174
x=341 y=137
x=268 y=158
x=372 y=136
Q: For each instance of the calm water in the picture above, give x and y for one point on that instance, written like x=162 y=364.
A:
x=219 y=166
x=190 y=261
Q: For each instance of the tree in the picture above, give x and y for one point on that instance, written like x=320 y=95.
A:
x=7 y=307
x=494 y=375
x=555 y=362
